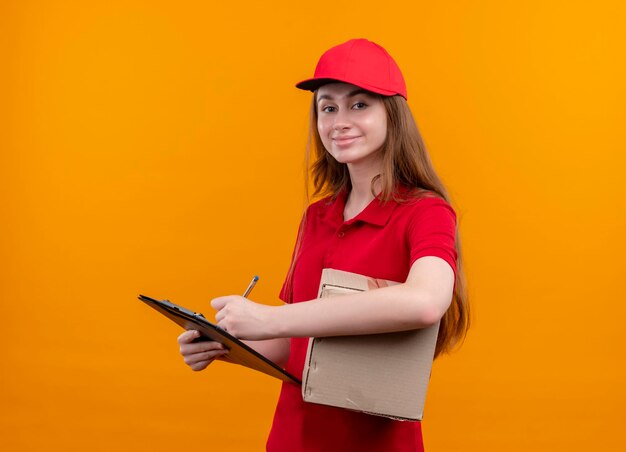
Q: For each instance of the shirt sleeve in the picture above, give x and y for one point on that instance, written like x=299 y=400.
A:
x=286 y=292
x=432 y=231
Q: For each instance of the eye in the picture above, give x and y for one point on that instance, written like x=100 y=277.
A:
x=328 y=109
x=359 y=106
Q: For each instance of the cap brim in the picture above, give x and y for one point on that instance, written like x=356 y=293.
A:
x=312 y=84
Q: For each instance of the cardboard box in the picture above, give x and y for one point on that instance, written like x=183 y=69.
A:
x=380 y=374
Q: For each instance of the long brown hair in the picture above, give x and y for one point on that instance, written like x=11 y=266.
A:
x=405 y=164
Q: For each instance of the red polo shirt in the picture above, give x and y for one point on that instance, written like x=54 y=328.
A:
x=382 y=241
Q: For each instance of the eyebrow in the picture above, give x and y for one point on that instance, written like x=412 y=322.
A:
x=350 y=94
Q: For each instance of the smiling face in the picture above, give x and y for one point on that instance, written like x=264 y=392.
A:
x=352 y=124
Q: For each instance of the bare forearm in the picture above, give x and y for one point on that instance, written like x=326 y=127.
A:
x=396 y=308
x=276 y=350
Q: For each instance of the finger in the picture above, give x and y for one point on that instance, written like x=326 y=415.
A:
x=200 y=347
x=188 y=336
x=204 y=356
x=219 y=303
x=222 y=325
x=200 y=366
x=225 y=357
x=220 y=316
x=198 y=358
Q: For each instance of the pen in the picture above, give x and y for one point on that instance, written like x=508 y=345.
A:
x=250 y=286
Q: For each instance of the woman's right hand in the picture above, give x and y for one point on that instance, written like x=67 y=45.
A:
x=198 y=355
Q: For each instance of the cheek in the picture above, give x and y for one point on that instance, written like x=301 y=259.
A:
x=383 y=135
x=378 y=131
x=322 y=130
x=322 y=127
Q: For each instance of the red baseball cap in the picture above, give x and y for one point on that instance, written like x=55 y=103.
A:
x=359 y=62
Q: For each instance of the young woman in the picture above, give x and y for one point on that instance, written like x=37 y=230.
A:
x=384 y=214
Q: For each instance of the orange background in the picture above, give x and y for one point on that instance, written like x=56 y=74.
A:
x=157 y=148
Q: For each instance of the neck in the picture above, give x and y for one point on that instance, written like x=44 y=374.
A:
x=361 y=176
x=362 y=192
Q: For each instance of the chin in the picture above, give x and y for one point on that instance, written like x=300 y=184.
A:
x=351 y=157
x=346 y=157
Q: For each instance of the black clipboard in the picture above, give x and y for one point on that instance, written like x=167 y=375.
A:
x=240 y=353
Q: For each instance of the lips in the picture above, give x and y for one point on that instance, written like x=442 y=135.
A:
x=345 y=140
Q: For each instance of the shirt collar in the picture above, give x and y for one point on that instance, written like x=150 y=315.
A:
x=376 y=212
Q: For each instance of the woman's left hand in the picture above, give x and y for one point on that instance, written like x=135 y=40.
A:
x=243 y=318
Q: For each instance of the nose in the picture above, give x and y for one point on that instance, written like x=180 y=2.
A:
x=341 y=120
